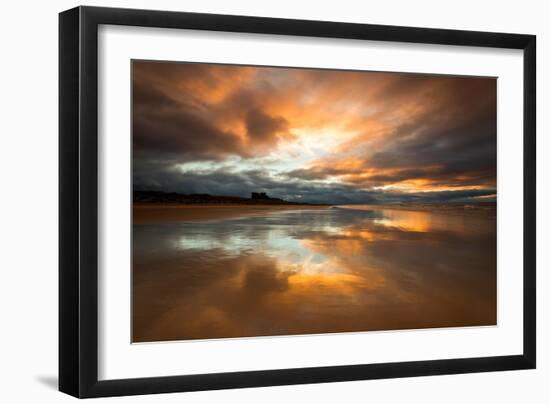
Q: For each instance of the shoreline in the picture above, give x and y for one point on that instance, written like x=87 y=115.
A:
x=181 y=213
x=149 y=213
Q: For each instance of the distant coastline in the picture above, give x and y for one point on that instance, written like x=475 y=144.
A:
x=169 y=198
x=150 y=207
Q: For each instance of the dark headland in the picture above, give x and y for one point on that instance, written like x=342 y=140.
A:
x=256 y=198
x=154 y=207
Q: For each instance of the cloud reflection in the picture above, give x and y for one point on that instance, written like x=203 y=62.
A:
x=313 y=271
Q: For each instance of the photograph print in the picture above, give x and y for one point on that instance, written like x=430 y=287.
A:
x=272 y=201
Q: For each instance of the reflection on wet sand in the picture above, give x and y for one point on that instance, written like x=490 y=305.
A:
x=313 y=271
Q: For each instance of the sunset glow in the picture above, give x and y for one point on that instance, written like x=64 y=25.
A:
x=313 y=135
x=285 y=201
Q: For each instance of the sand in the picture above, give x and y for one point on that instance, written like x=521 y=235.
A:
x=173 y=213
x=179 y=213
x=453 y=209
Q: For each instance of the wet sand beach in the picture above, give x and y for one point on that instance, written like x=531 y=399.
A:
x=203 y=272
x=180 y=213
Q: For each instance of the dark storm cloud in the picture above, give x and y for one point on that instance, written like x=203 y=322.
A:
x=221 y=182
x=261 y=126
x=184 y=133
x=458 y=132
x=163 y=126
x=171 y=116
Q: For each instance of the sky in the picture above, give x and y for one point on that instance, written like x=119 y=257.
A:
x=313 y=135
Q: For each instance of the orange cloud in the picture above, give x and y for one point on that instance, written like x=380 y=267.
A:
x=412 y=132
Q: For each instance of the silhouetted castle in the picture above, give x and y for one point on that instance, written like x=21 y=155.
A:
x=259 y=195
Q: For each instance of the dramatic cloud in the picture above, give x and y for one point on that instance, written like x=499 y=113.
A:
x=262 y=128
x=313 y=135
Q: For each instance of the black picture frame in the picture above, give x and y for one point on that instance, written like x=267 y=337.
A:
x=78 y=201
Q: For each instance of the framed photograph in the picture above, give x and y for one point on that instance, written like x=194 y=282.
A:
x=251 y=201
